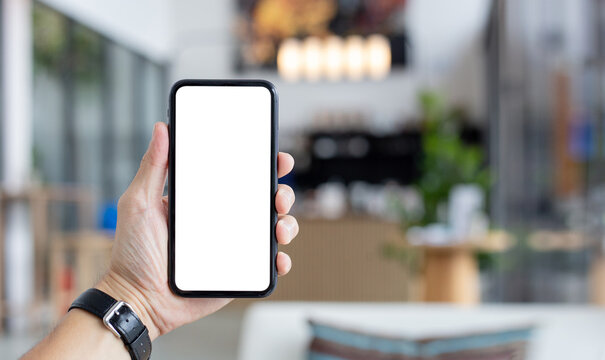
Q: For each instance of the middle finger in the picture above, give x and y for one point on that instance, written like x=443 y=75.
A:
x=284 y=199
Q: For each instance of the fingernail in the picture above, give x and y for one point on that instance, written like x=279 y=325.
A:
x=290 y=197
x=290 y=227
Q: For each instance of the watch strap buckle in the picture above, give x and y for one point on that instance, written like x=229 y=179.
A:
x=114 y=311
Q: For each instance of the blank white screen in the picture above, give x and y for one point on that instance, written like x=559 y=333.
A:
x=222 y=188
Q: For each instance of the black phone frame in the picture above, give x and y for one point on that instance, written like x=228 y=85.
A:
x=171 y=191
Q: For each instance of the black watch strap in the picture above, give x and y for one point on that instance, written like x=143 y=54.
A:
x=120 y=318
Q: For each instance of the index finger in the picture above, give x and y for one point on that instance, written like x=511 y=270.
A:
x=285 y=164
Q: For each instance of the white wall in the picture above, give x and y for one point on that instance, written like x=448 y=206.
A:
x=448 y=39
x=15 y=148
x=445 y=36
x=196 y=37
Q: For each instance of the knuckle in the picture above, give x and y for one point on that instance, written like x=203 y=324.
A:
x=132 y=201
x=153 y=159
x=145 y=159
x=123 y=201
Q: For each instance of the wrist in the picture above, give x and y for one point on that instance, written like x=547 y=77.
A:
x=117 y=287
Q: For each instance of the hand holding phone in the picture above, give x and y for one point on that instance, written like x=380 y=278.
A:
x=138 y=268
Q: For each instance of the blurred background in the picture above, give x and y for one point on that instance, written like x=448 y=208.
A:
x=450 y=164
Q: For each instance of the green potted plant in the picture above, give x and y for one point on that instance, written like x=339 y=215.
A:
x=447 y=161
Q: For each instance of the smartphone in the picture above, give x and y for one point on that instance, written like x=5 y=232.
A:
x=222 y=181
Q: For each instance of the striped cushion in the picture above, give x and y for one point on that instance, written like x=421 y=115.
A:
x=333 y=343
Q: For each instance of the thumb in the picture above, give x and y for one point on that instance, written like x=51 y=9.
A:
x=151 y=177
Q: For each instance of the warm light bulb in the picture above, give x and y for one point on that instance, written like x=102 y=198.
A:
x=354 y=57
x=333 y=58
x=312 y=53
x=378 y=55
x=289 y=60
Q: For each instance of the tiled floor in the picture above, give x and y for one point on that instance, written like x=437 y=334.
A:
x=214 y=337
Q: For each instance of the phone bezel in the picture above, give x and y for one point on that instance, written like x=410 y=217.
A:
x=171 y=191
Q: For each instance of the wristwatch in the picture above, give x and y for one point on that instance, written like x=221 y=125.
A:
x=120 y=318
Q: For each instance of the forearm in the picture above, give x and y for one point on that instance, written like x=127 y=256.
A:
x=81 y=335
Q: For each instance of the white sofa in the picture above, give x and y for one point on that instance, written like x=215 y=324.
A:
x=279 y=330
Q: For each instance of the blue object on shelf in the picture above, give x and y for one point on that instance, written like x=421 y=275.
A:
x=108 y=217
x=581 y=140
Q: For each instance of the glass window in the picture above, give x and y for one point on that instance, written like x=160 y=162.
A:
x=88 y=106
x=95 y=101
x=122 y=122
x=49 y=33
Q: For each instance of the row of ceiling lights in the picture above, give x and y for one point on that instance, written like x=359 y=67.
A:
x=334 y=58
